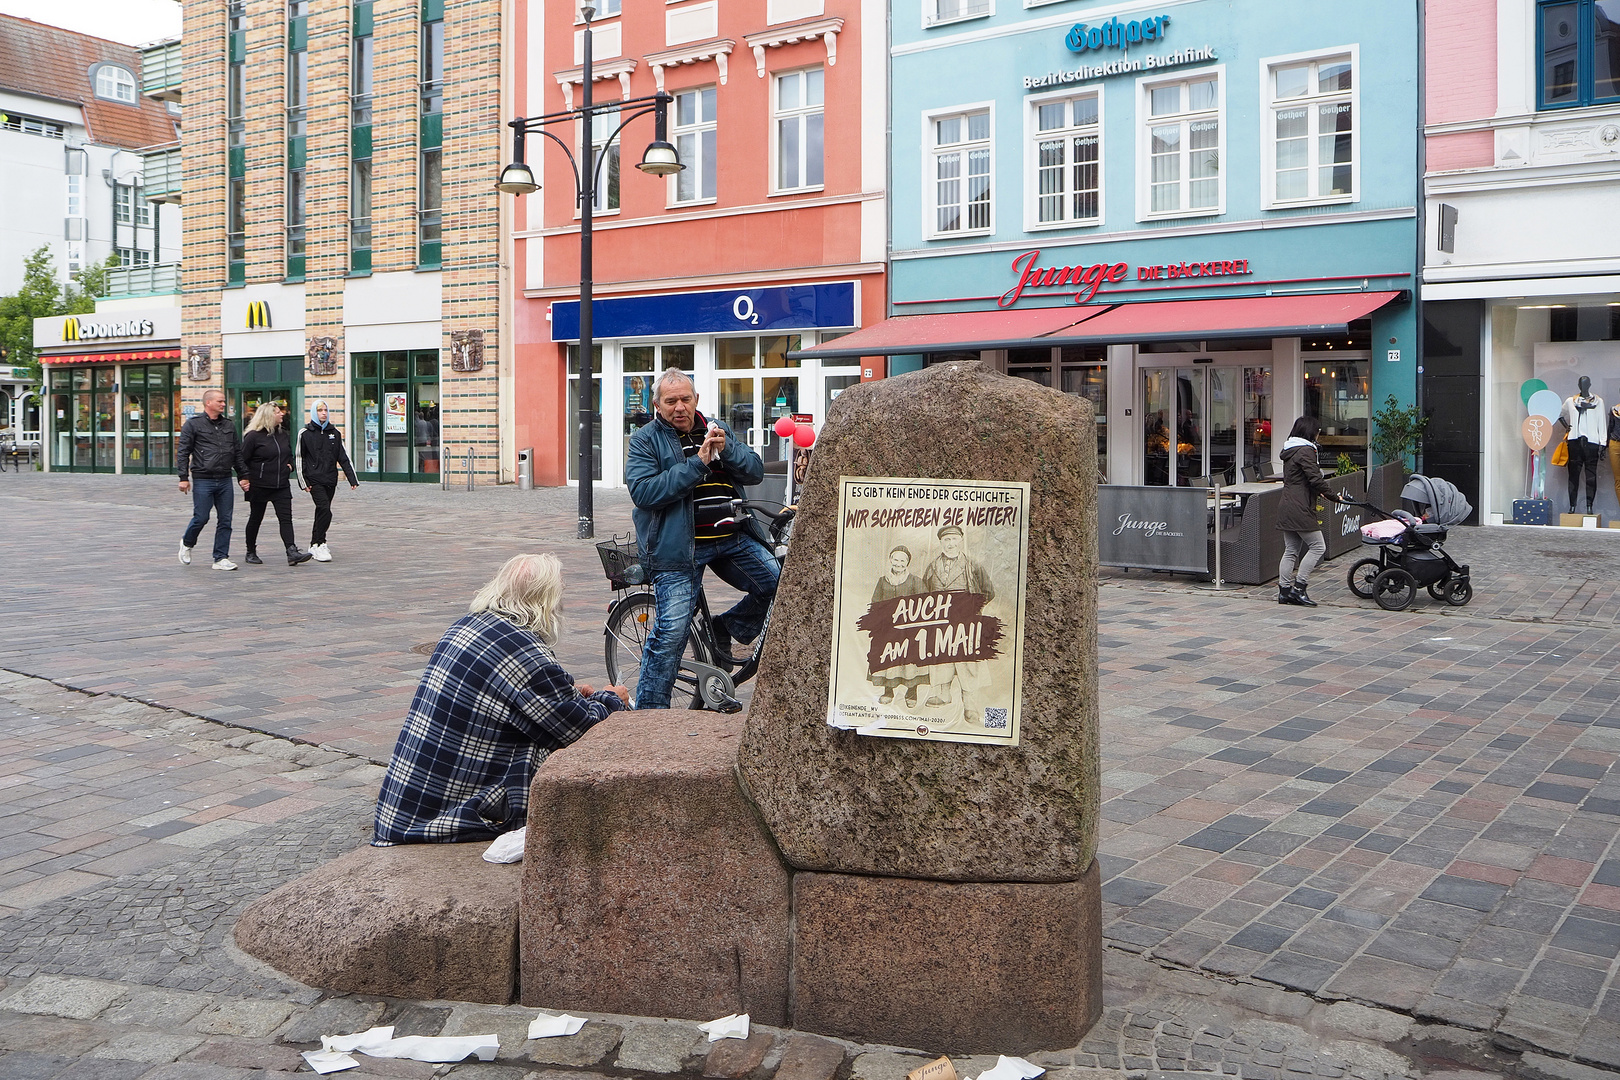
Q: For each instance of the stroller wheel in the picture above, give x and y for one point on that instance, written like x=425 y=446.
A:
x=1362 y=575
x=1394 y=589
x=1439 y=589
x=1460 y=592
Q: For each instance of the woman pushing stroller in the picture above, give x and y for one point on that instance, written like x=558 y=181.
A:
x=1303 y=484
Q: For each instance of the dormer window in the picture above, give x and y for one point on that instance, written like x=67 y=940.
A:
x=115 y=83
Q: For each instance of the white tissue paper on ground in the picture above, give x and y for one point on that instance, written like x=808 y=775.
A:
x=1012 y=1068
x=507 y=847
x=546 y=1026
x=734 y=1026
x=329 y=1061
x=380 y=1043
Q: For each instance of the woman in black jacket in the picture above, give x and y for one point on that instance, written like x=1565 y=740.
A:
x=320 y=447
x=1303 y=546
x=268 y=452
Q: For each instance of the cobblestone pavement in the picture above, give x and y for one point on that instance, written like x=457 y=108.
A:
x=1410 y=814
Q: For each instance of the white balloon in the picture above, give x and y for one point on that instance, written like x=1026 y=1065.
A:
x=1546 y=403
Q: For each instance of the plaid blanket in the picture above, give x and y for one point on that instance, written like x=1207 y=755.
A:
x=491 y=706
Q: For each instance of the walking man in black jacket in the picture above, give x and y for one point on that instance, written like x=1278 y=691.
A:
x=321 y=448
x=208 y=452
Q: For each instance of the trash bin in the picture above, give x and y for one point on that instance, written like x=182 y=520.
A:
x=525 y=469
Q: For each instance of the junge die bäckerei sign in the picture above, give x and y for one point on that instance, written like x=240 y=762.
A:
x=928 y=612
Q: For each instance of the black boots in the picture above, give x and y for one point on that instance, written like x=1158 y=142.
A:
x=1285 y=594
x=294 y=556
x=253 y=557
x=1294 y=595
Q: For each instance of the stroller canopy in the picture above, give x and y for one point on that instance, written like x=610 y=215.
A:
x=1447 y=503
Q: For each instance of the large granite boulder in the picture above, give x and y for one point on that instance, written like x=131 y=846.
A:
x=649 y=885
x=415 y=921
x=841 y=802
x=960 y=968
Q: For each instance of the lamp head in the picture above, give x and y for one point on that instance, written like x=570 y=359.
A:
x=587 y=11
x=660 y=159
x=517 y=179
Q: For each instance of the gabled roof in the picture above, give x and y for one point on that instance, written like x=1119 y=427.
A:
x=49 y=62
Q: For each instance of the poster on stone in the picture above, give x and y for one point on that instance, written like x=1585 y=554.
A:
x=928 y=609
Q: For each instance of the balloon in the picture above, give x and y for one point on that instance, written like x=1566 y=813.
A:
x=1537 y=431
x=1530 y=386
x=1545 y=403
x=785 y=427
x=804 y=435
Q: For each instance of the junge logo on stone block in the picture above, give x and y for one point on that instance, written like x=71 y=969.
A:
x=928 y=611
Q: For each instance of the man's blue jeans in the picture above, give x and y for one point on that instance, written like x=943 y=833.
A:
x=214 y=492
x=743 y=563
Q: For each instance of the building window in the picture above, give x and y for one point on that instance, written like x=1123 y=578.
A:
x=432 y=198
x=1067 y=176
x=962 y=159
x=143 y=209
x=799 y=105
x=297 y=83
x=115 y=83
x=1579 y=52
x=123 y=197
x=295 y=223
x=1184 y=146
x=134 y=257
x=603 y=125
x=360 y=214
x=75 y=195
x=31 y=125
x=432 y=86
x=75 y=256
x=1313 y=130
x=944 y=11
x=236 y=229
x=695 y=142
x=361 y=69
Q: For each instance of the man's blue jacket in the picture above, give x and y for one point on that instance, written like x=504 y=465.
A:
x=661 y=478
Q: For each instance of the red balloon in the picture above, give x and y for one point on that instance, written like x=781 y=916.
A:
x=785 y=427
x=804 y=435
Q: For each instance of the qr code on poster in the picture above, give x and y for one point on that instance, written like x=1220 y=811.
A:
x=995 y=718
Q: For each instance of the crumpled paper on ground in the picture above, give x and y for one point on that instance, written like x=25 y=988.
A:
x=1012 y=1068
x=546 y=1026
x=329 y=1061
x=507 y=847
x=734 y=1026
x=379 y=1042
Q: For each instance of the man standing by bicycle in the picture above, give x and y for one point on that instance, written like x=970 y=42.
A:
x=684 y=472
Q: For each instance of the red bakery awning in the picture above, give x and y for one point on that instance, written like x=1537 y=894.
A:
x=1167 y=320
x=112 y=357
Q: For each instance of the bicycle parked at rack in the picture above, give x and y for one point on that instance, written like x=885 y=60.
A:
x=703 y=677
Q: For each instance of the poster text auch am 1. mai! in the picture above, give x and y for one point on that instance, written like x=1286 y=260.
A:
x=928 y=616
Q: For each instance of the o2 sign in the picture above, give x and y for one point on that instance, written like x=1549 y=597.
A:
x=743 y=309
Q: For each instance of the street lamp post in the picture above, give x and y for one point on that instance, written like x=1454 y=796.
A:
x=660 y=159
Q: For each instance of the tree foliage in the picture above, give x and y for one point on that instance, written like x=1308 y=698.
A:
x=41 y=296
x=1396 y=432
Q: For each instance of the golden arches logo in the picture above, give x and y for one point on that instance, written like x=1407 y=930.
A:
x=258 y=315
x=70 y=330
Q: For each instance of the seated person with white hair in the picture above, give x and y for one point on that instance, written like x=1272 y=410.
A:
x=492 y=705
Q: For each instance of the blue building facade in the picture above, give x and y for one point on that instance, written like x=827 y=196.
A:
x=1200 y=214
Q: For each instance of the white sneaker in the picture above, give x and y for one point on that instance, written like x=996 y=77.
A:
x=185 y=555
x=224 y=564
x=320 y=553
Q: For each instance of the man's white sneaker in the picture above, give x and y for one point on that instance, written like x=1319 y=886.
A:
x=224 y=564
x=321 y=553
x=185 y=555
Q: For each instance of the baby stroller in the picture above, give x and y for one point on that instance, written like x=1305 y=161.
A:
x=1411 y=550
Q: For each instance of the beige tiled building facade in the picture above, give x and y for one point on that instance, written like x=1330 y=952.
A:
x=341 y=238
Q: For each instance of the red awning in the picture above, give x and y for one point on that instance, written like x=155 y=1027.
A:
x=113 y=357
x=1167 y=320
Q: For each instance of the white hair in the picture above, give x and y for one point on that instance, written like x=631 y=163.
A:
x=669 y=375
x=527 y=590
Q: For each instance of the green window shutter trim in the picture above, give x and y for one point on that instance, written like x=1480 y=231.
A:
x=236 y=48
x=236 y=158
x=427 y=255
x=298 y=33
x=432 y=10
x=363 y=22
x=360 y=260
x=432 y=133
x=296 y=155
x=360 y=141
x=295 y=266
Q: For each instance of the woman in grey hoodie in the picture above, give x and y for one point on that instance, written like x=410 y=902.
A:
x=1303 y=546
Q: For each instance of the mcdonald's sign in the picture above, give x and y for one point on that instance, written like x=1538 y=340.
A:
x=258 y=315
x=75 y=329
x=70 y=330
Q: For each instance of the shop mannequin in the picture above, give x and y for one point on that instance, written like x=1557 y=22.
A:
x=1587 y=421
x=1614 y=449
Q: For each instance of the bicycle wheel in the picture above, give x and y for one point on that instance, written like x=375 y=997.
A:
x=1395 y=589
x=1362 y=575
x=628 y=623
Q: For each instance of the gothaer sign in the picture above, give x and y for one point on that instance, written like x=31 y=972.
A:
x=928 y=612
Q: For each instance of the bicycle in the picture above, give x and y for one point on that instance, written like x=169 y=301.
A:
x=710 y=684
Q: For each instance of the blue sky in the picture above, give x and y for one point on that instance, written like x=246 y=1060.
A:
x=134 y=22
